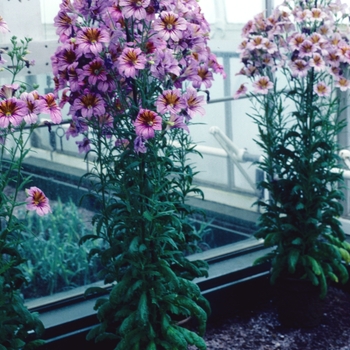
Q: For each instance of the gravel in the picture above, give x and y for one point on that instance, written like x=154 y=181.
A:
x=259 y=329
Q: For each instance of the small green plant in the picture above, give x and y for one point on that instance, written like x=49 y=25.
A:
x=54 y=261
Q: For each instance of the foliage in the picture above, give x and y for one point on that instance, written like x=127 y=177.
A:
x=53 y=260
x=131 y=73
x=19 y=109
x=296 y=72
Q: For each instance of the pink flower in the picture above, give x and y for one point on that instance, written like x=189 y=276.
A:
x=146 y=123
x=131 y=60
x=263 y=85
x=204 y=76
x=242 y=90
x=317 y=62
x=322 y=90
x=134 y=8
x=12 y=111
x=170 y=25
x=37 y=201
x=50 y=107
x=8 y=91
x=170 y=101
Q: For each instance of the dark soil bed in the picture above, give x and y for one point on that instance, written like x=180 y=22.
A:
x=259 y=329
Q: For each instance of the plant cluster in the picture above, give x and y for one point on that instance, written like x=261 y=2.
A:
x=131 y=73
x=53 y=260
x=298 y=60
x=19 y=110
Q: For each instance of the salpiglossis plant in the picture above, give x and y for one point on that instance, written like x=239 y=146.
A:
x=132 y=73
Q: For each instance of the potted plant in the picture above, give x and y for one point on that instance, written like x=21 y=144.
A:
x=131 y=74
x=19 y=110
x=297 y=59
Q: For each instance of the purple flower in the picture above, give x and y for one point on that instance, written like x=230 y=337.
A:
x=89 y=104
x=146 y=123
x=91 y=40
x=131 y=60
x=134 y=8
x=177 y=122
x=139 y=145
x=50 y=107
x=84 y=145
x=37 y=201
x=170 y=26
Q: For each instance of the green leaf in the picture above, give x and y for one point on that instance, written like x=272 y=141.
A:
x=151 y=345
x=313 y=263
x=293 y=258
x=143 y=311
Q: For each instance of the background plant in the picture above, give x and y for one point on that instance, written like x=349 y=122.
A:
x=297 y=59
x=54 y=262
x=19 y=109
x=131 y=73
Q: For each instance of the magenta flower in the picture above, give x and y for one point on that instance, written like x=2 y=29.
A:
x=134 y=8
x=262 y=85
x=131 y=60
x=321 y=89
x=50 y=107
x=170 y=26
x=193 y=102
x=146 y=123
x=170 y=101
x=91 y=40
x=12 y=111
x=89 y=104
x=37 y=201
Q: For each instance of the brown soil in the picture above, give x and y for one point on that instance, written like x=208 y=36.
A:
x=259 y=329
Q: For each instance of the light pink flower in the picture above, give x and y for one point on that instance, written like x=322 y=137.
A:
x=317 y=62
x=134 y=8
x=242 y=90
x=170 y=25
x=37 y=201
x=8 y=91
x=3 y=26
x=321 y=89
x=263 y=85
x=307 y=48
x=299 y=68
x=130 y=61
x=146 y=123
